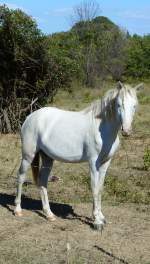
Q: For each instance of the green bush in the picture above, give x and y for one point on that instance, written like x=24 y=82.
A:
x=30 y=75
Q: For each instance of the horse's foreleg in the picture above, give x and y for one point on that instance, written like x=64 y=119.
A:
x=45 y=170
x=21 y=178
x=97 y=180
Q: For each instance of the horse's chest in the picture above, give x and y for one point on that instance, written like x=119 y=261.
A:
x=106 y=146
x=109 y=148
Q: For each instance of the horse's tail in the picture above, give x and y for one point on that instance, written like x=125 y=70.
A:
x=35 y=168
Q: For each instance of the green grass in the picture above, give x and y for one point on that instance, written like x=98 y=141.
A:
x=146 y=158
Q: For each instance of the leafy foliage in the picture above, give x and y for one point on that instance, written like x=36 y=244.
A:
x=28 y=73
x=62 y=48
x=103 y=50
x=138 y=52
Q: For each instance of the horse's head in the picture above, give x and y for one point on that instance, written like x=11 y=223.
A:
x=126 y=104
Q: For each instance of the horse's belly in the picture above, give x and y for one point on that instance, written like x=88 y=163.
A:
x=65 y=151
x=65 y=156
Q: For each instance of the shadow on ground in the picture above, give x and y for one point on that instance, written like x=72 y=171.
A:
x=107 y=253
x=59 y=209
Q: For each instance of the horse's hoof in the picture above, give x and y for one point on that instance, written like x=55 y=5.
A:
x=98 y=226
x=51 y=218
x=18 y=213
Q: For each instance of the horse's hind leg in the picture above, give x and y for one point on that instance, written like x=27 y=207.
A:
x=21 y=178
x=45 y=170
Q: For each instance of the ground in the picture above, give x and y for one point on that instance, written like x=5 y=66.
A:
x=71 y=238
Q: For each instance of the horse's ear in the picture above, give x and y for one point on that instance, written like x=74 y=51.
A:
x=119 y=85
x=139 y=87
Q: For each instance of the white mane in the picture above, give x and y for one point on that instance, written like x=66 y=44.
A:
x=105 y=106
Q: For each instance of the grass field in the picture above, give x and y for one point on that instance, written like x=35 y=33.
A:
x=71 y=239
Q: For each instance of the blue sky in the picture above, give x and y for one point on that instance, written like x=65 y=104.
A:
x=55 y=16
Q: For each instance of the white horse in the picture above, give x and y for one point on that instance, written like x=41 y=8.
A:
x=90 y=135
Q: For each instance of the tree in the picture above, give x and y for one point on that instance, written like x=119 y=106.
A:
x=83 y=15
x=103 y=49
x=63 y=49
x=29 y=75
x=111 y=53
x=86 y=11
x=21 y=66
x=138 y=52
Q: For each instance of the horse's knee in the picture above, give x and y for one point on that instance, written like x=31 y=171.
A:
x=25 y=163
x=22 y=171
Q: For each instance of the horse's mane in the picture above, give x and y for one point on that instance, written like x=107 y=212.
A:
x=105 y=106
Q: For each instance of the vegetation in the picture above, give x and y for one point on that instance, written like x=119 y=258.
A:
x=138 y=52
x=28 y=73
x=33 y=67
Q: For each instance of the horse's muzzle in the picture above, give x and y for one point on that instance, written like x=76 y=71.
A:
x=126 y=132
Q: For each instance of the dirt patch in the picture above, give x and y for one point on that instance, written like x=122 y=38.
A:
x=71 y=238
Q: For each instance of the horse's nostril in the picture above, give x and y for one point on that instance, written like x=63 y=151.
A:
x=126 y=133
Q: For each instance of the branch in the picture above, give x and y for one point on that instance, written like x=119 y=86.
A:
x=29 y=107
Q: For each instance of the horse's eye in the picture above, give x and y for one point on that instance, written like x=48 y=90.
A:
x=118 y=105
